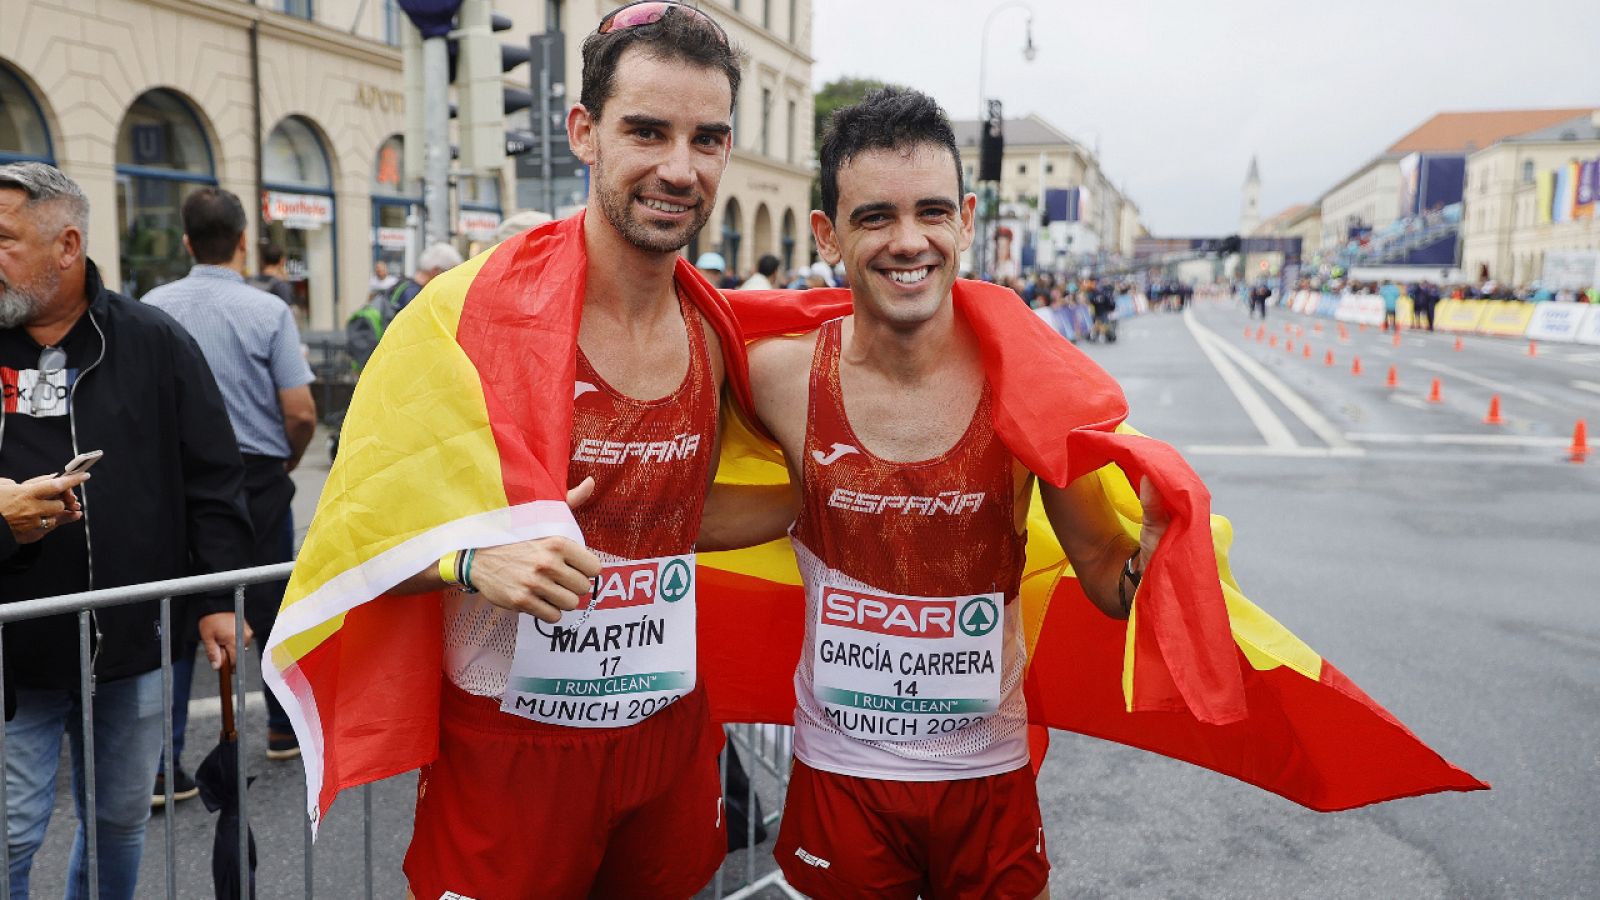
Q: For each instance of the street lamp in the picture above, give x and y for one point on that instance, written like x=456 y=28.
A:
x=1028 y=53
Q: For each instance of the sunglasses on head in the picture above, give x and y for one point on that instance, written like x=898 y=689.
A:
x=649 y=12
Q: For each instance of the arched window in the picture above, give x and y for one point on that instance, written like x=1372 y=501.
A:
x=732 y=234
x=762 y=237
x=298 y=210
x=23 y=133
x=392 y=205
x=162 y=156
x=788 y=240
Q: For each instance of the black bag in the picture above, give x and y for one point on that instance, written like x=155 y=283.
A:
x=739 y=804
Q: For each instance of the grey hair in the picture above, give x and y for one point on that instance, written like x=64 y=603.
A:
x=438 y=257
x=519 y=222
x=44 y=183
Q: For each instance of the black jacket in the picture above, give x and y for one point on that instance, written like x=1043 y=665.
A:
x=166 y=500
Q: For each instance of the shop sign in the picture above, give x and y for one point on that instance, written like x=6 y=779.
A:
x=305 y=212
x=477 y=225
x=392 y=238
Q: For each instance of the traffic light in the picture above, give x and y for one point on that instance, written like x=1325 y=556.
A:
x=991 y=144
x=480 y=62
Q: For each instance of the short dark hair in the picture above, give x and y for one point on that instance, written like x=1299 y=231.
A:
x=890 y=118
x=674 y=36
x=213 y=219
x=768 y=265
x=271 y=254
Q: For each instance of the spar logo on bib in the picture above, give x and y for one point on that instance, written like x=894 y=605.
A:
x=897 y=616
x=978 y=616
x=676 y=579
x=637 y=583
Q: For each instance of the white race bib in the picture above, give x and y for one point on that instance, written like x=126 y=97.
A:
x=623 y=660
x=894 y=668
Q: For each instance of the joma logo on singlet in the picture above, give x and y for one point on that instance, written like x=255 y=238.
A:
x=953 y=503
x=889 y=615
x=615 y=453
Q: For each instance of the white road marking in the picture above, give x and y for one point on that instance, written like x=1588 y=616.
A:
x=1464 y=440
x=1262 y=450
x=1302 y=410
x=1496 y=386
x=1408 y=400
x=1590 y=386
x=1272 y=429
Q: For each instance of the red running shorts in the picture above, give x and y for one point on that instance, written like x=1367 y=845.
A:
x=514 y=809
x=847 y=837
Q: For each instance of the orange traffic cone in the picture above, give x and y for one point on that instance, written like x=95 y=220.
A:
x=1533 y=348
x=1393 y=381
x=1493 y=418
x=1247 y=333
x=1261 y=333
x=1328 y=360
x=1363 y=326
x=1397 y=335
x=1307 y=354
x=1272 y=341
x=1459 y=345
x=1344 y=333
x=1288 y=345
x=1433 y=393
x=1316 y=328
x=1355 y=366
x=1580 y=443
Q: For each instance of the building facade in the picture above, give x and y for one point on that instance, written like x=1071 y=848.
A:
x=1508 y=226
x=1039 y=159
x=298 y=107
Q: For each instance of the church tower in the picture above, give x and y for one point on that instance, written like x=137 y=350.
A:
x=1250 y=212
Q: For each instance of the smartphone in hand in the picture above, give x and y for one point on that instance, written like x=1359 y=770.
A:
x=82 y=462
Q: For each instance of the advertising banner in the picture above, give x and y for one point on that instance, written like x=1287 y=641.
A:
x=1557 y=321
x=1508 y=318
x=1458 y=315
x=1328 y=305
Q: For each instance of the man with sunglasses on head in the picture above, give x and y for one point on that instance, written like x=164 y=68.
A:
x=86 y=369
x=555 y=796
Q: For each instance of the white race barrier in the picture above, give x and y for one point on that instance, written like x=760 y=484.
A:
x=1589 y=328
x=1363 y=309
x=1559 y=321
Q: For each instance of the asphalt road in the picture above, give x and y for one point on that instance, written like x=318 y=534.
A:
x=1445 y=565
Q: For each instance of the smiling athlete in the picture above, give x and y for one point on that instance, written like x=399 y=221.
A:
x=911 y=775
x=576 y=755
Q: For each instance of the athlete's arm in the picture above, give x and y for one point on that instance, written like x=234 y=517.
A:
x=542 y=577
x=1092 y=536
x=746 y=515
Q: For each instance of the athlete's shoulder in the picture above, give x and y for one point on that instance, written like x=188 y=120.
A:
x=782 y=355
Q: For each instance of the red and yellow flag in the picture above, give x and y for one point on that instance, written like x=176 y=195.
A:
x=459 y=433
x=458 y=436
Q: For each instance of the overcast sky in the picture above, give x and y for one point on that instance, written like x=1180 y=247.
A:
x=1180 y=93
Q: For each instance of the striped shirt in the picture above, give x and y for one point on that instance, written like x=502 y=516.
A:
x=250 y=341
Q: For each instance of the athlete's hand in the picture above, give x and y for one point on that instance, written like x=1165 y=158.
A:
x=543 y=577
x=1156 y=520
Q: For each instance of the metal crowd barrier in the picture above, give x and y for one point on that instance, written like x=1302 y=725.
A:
x=765 y=749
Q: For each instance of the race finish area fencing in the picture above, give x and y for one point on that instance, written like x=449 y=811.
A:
x=179 y=851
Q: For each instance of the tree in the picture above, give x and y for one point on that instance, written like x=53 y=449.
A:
x=833 y=95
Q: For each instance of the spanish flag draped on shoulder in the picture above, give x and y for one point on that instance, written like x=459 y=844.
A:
x=1199 y=673
x=458 y=436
